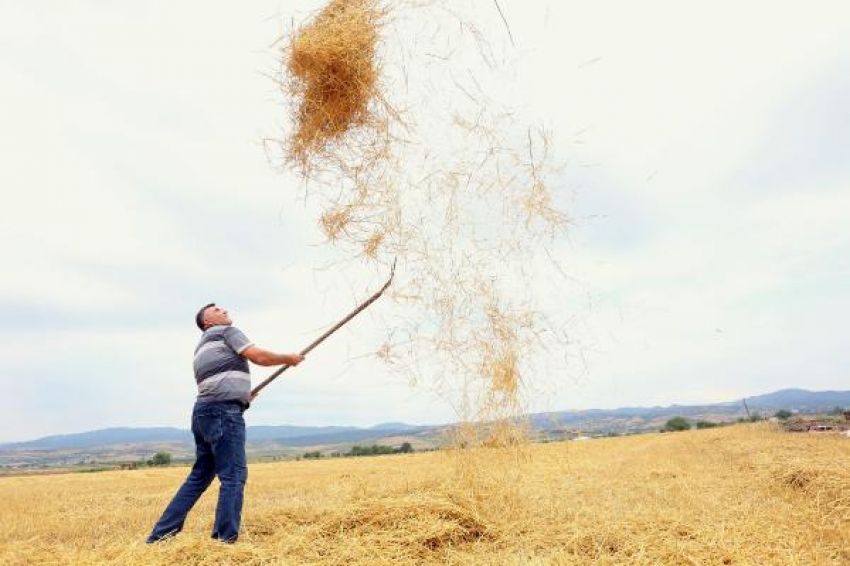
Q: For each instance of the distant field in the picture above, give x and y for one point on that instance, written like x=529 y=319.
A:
x=746 y=494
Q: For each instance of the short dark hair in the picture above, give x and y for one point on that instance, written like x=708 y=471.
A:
x=199 y=317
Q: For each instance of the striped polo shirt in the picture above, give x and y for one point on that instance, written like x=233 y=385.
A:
x=221 y=373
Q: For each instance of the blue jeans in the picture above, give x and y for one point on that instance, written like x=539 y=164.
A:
x=219 y=431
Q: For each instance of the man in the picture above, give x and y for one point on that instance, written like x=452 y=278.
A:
x=224 y=392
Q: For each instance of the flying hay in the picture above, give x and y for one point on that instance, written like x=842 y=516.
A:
x=333 y=76
x=448 y=180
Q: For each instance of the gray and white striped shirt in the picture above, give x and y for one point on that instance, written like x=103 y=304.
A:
x=221 y=373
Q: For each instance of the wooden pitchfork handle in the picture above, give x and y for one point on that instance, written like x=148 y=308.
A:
x=320 y=339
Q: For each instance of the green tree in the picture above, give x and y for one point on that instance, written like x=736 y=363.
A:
x=373 y=450
x=783 y=414
x=676 y=424
x=406 y=448
x=754 y=418
x=358 y=450
x=160 y=459
x=706 y=424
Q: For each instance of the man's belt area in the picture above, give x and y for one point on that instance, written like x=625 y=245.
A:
x=241 y=404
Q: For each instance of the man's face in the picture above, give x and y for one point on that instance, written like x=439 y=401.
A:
x=214 y=316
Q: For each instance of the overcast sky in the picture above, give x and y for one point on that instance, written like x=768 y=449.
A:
x=707 y=149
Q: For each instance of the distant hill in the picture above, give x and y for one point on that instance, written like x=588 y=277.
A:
x=797 y=400
x=394 y=426
x=356 y=435
x=284 y=434
x=103 y=437
x=125 y=435
x=625 y=418
x=801 y=400
x=258 y=433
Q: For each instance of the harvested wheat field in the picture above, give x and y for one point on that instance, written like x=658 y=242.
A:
x=746 y=494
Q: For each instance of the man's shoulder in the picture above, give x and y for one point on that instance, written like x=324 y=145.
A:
x=224 y=333
x=236 y=339
x=216 y=333
x=232 y=331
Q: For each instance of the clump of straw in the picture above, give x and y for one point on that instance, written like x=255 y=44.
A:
x=421 y=522
x=335 y=221
x=373 y=245
x=334 y=75
x=503 y=369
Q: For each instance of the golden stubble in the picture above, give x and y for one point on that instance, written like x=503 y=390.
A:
x=745 y=494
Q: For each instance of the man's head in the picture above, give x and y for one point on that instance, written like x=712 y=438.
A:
x=211 y=315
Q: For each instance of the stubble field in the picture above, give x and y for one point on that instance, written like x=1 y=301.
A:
x=736 y=495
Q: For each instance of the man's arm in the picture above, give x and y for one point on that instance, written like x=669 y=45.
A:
x=266 y=358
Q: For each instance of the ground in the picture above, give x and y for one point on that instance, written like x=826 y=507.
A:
x=744 y=494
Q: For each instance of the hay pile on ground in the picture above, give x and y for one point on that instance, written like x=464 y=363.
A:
x=421 y=522
x=333 y=77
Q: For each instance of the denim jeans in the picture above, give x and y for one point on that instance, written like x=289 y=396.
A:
x=219 y=431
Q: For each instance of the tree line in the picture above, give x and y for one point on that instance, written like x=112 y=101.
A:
x=357 y=450
x=681 y=423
